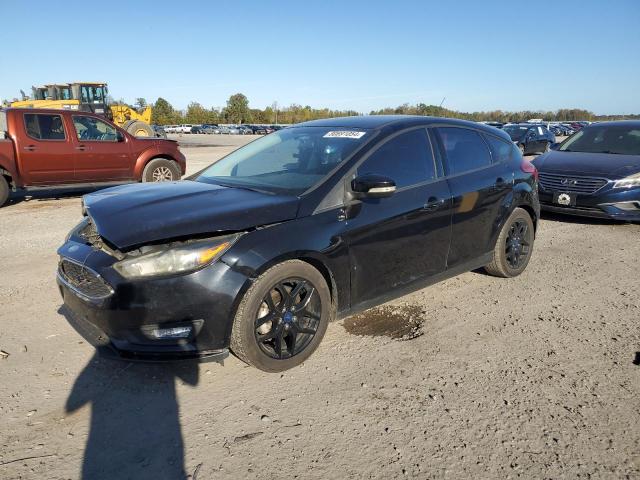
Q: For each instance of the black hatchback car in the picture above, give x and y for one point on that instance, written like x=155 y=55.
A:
x=262 y=249
x=594 y=173
x=530 y=138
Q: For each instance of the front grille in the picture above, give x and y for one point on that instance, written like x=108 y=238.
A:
x=556 y=182
x=84 y=280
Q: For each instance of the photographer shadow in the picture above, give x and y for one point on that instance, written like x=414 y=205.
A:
x=135 y=429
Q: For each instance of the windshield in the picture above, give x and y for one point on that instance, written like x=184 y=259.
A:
x=620 y=140
x=288 y=161
x=516 y=132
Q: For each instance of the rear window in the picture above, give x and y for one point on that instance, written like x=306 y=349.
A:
x=43 y=126
x=500 y=150
x=465 y=149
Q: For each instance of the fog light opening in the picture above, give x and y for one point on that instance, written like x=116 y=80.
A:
x=171 y=333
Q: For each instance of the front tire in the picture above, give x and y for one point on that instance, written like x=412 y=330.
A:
x=161 y=170
x=514 y=246
x=282 y=318
x=4 y=190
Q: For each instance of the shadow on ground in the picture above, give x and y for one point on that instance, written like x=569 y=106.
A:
x=54 y=193
x=135 y=417
x=558 y=217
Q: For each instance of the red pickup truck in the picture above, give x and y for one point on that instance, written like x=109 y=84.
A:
x=41 y=148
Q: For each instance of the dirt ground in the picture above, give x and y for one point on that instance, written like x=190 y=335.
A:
x=476 y=377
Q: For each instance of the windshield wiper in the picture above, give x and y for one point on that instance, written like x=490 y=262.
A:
x=241 y=187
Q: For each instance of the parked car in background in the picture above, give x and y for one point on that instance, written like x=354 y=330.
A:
x=184 y=128
x=211 y=129
x=159 y=131
x=594 y=173
x=170 y=128
x=233 y=130
x=43 y=147
x=530 y=138
x=196 y=129
x=258 y=129
x=258 y=252
x=245 y=130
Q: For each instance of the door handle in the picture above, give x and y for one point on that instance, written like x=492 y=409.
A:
x=433 y=204
x=30 y=148
x=82 y=148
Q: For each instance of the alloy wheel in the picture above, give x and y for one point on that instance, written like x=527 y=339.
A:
x=162 y=174
x=288 y=318
x=518 y=244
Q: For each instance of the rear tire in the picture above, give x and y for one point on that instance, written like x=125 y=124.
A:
x=4 y=190
x=514 y=246
x=138 y=128
x=296 y=323
x=161 y=170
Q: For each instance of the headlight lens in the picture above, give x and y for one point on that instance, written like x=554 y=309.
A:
x=628 y=182
x=179 y=259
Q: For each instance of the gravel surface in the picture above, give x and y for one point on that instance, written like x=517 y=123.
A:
x=476 y=377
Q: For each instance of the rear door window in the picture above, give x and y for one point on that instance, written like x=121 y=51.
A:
x=42 y=126
x=465 y=149
x=407 y=159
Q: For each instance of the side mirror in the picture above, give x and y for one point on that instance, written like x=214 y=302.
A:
x=554 y=146
x=373 y=186
x=120 y=136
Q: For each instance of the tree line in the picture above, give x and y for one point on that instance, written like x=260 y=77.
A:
x=237 y=111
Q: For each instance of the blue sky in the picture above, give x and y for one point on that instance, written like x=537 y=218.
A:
x=361 y=55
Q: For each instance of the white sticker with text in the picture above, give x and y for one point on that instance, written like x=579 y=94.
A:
x=344 y=134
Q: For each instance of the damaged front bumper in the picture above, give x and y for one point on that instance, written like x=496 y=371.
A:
x=177 y=317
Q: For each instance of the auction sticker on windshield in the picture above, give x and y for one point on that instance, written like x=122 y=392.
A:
x=344 y=134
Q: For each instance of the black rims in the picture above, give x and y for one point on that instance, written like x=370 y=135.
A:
x=514 y=245
x=288 y=318
x=518 y=244
x=282 y=317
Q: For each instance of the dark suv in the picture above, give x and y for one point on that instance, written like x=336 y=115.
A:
x=262 y=249
x=530 y=138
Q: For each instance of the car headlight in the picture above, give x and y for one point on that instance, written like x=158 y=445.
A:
x=628 y=182
x=176 y=259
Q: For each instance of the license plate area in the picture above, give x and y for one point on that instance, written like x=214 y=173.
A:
x=564 y=199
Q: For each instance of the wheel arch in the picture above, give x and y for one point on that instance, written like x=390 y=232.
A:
x=146 y=158
x=314 y=259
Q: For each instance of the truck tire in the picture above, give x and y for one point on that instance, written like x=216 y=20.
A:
x=161 y=170
x=4 y=190
x=138 y=128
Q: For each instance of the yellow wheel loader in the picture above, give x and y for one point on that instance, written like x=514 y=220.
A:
x=89 y=97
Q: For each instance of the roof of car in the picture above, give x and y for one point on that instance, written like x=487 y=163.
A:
x=380 y=121
x=617 y=123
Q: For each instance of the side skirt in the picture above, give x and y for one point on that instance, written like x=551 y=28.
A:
x=417 y=285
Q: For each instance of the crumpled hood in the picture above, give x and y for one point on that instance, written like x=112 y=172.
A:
x=597 y=164
x=138 y=214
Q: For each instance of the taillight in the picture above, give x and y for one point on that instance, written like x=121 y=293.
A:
x=527 y=167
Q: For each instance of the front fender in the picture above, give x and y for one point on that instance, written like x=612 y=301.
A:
x=157 y=152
